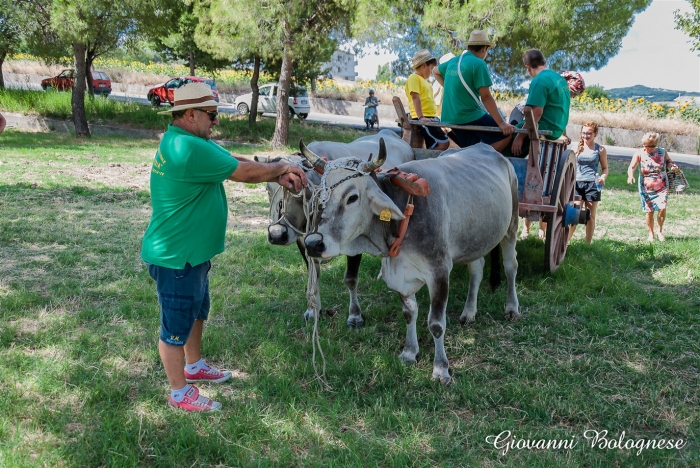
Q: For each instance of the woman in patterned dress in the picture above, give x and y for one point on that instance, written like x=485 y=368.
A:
x=653 y=186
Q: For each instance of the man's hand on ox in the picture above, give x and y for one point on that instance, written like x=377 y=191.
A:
x=292 y=181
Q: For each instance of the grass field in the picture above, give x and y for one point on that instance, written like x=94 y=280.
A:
x=607 y=343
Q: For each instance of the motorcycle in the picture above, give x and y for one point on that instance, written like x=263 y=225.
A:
x=371 y=116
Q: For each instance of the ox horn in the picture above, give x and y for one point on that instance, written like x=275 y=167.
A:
x=318 y=163
x=378 y=161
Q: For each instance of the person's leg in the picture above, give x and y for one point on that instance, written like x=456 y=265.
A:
x=501 y=145
x=661 y=217
x=435 y=138
x=173 y=362
x=193 y=347
x=650 y=224
x=590 y=226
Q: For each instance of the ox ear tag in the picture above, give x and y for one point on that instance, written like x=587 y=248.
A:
x=385 y=215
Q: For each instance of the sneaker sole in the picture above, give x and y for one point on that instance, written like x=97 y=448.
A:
x=213 y=410
x=219 y=380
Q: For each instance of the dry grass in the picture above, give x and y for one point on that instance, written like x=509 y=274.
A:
x=635 y=121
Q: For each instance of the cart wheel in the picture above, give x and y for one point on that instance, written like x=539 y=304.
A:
x=562 y=194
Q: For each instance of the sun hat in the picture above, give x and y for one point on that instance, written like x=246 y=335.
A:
x=479 y=37
x=575 y=82
x=421 y=57
x=192 y=95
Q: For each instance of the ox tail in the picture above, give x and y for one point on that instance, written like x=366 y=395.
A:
x=495 y=276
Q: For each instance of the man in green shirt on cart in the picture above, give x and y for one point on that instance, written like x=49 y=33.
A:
x=187 y=229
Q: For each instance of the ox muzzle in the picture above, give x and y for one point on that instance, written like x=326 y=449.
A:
x=278 y=234
x=314 y=245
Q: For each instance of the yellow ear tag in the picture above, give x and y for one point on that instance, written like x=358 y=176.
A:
x=385 y=215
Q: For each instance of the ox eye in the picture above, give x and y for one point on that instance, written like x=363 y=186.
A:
x=352 y=199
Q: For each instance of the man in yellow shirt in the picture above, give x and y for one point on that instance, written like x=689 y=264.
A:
x=421 y=103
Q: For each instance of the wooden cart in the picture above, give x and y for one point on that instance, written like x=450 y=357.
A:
x=546 y=180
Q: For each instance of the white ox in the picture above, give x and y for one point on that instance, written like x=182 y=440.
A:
x=472 y=208
x=287 y=212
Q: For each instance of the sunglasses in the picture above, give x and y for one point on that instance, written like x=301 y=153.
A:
x=650 y=146
x=212 y=114
x=586 y=133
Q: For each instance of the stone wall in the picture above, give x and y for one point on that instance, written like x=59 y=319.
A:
x=354 y=109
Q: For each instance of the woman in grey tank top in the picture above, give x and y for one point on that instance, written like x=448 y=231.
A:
x=589 y=156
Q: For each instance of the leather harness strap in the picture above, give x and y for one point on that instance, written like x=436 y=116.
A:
x=413 y=185
x=395 y=248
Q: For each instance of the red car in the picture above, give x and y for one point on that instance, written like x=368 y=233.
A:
x=101 y=84
x=166 y=91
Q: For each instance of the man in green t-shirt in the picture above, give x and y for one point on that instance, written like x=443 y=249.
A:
x=468 y=99
x=549 y=97
x=187 y=229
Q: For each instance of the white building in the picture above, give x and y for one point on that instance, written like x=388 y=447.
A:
x=342 y=65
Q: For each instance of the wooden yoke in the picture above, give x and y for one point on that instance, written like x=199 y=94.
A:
x=411 y=135
x=533 y=184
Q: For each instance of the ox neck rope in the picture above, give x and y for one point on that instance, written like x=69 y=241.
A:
x=282 y=205
x=313 y=207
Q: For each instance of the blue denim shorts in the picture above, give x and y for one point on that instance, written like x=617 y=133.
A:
x=466 y=138
x=183 y=296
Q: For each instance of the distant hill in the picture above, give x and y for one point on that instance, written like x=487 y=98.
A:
x=650 y=94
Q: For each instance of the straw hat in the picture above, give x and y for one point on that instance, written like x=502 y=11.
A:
x=479 y=37
x=421 y=57
x=191 y=96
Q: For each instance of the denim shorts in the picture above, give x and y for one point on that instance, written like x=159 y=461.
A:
x=183 y=296
x=466 y=138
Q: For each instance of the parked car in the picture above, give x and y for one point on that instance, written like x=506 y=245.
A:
x=166 y=91
x=101 y=84
x=267 y=101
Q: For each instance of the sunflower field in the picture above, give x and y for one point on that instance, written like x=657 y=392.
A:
x=683 y=111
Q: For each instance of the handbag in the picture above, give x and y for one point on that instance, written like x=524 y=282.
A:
x=676 y=179
x=466 y=86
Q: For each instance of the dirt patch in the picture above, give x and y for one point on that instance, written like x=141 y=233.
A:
x=133 y=176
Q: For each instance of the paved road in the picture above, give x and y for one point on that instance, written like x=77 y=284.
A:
x=617 y=152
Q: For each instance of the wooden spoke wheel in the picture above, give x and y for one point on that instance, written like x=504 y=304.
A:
x=562 y=195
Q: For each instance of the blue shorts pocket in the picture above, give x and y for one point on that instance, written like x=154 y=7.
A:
x=177 y=318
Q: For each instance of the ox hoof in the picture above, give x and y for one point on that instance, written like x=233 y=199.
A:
x=512 y=315
x=408 y=358
x=466 y=320
x=443 y=375
x=355 y=321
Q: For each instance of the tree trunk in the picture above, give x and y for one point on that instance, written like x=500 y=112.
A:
x=281 y=136
x=89 y=59
x=253 y=115
x=192 y=64
x=78 y=99
x=313 y=85
x=2 y=60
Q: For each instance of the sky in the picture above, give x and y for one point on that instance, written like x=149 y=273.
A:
x=653 y=54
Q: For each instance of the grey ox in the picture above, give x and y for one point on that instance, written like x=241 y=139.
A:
x=287 y=211
x=472 y=208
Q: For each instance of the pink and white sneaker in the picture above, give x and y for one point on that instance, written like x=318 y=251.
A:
x=195 y=403
x=209 y=374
